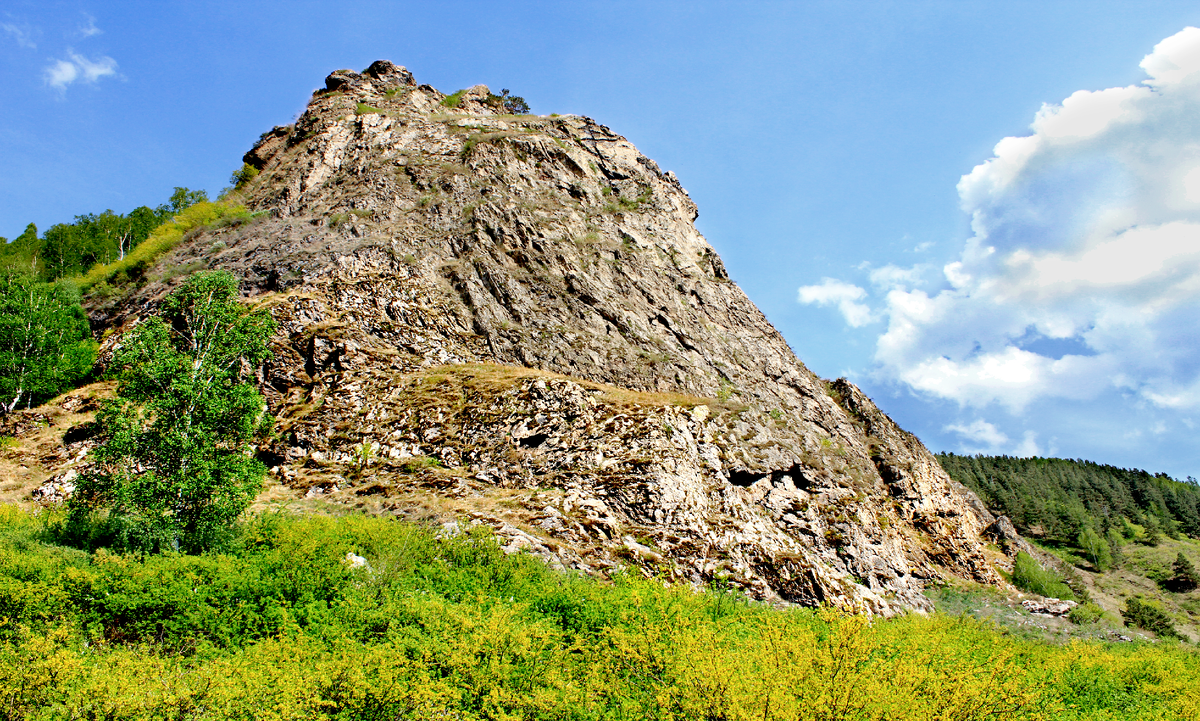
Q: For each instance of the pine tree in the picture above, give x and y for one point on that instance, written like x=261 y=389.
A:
x=1185 y=577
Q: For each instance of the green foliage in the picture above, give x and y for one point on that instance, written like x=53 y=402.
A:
x=1095 y=548
x=364 y=453
x=1057 y=498
x=46 y=344
x=1184 y=576
x=419 y=463
x=454 y=99
x=1086 y=613
x=174 y=469
x=364 y=109
x=1028 y=575
x=725 y=392
x=1152 y=536
x=163 y=239
x=281 y=627
x=622 y=204
x=243 y=175
x=69 y=249
x=511 y=104
x=1114 y=539
x=1150 y=616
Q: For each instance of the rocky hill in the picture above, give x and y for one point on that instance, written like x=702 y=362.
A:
x=512 y=320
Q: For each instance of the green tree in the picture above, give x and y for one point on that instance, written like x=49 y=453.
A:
x=1096 y=548
x=1185 y=577
x=1153 y=535
x=1150 y=616
x=1114 y=546
x=181 y=200
x=46 y=344
x=175 y=469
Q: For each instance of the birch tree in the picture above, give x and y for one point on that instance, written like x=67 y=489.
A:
x=46 y=345
x=175 y=468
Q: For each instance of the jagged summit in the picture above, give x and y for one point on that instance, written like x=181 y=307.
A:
x=512 y=320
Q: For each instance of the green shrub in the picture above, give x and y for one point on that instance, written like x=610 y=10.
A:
x=243 y=175
x=364 y=109
x=1086 y=613
x=454 y=99
x=280 y=626
x=419 y=463
x=1028 y=575
x=1150 y=616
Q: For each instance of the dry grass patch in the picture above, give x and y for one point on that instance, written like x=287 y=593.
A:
x=35 y=451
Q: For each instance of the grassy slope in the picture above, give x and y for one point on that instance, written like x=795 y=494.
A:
x=280 y=626
x=1138 y=574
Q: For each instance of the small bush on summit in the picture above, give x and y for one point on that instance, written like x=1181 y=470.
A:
x=512 y=104
x=454 y=99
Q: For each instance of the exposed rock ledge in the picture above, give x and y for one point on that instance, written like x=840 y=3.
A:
x=434 y=270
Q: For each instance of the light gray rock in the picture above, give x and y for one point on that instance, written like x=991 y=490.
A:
x=525 y=302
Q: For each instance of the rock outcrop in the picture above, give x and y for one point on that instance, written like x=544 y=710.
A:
x=514 y=319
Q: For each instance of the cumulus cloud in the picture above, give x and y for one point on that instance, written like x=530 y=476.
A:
x=23 y=35
x=1082 y=276
x=843 y=295
x=62 y=73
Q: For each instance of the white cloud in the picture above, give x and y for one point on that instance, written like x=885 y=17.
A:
x=1082 y=277
x=61 y=73
x=979 y=435
x=1028 y=447
x=843 y=295
x=24 y=35
x=89 y=28
x=893 y=276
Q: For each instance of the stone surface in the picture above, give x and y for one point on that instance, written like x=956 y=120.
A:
x=517 y=316
x=1049 y=606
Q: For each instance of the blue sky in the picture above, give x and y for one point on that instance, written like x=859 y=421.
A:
x=825 y=142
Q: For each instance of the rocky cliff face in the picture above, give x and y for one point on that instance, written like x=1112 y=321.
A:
x=512 y=320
